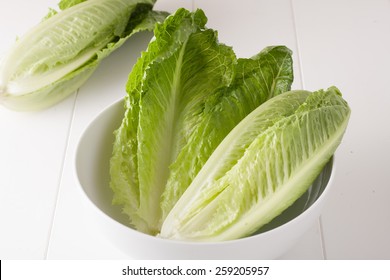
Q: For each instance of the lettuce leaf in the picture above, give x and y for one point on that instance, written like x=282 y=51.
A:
x=264 y=164
x=254 y=81
x=57 y=56
x=185 y=94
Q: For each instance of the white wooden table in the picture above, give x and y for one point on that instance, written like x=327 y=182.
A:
x=335 y=42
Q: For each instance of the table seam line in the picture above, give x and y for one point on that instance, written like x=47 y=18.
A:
x=60 y=178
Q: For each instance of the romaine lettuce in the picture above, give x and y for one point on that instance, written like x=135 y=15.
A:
x=185 y=94
x=262 y=166
x=57 y=56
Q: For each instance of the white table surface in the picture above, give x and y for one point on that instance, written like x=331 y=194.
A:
x=335 y=42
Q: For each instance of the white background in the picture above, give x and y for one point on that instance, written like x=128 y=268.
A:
x=335 y=42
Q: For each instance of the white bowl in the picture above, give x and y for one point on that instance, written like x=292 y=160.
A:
x=92 y=171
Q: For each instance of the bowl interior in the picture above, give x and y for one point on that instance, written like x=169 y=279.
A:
x=93 y=160
x=92 y=170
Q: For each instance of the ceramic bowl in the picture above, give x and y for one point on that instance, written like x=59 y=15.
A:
x=272 y=241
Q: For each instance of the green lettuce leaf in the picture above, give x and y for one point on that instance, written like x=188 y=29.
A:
x=65 y=4
x=185 y=94
x=264 y=164
x=254 y=81
x=58 y=55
